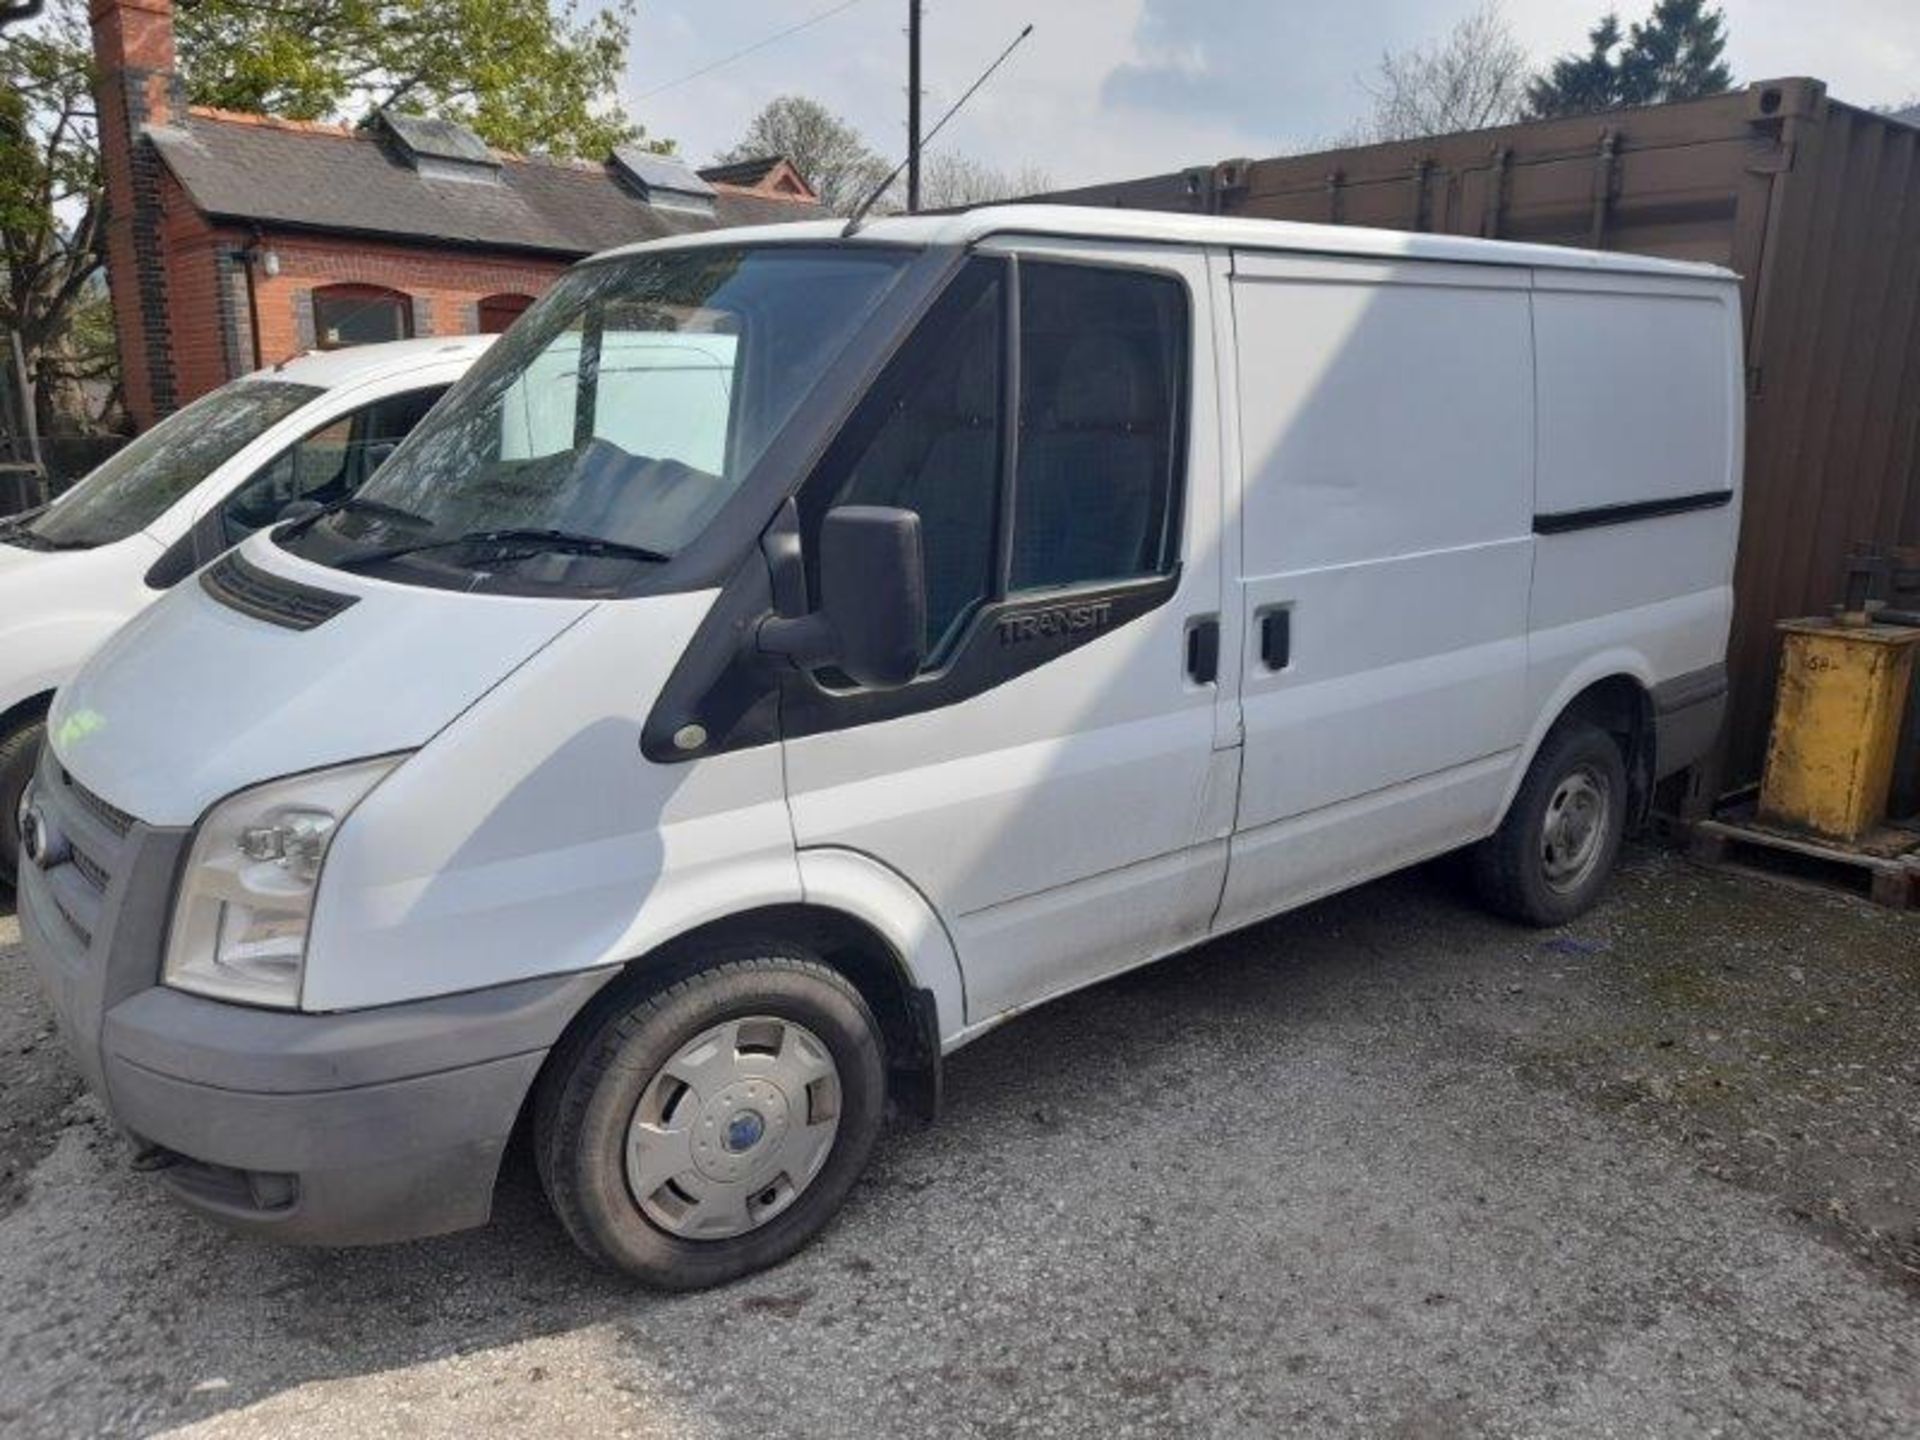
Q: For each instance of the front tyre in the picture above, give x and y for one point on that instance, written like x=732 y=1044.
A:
x=19 y=753
x=1555 y=851
x=710 y=1129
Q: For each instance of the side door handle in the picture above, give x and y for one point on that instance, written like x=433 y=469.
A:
x=1276 y=638
x=1203 y=649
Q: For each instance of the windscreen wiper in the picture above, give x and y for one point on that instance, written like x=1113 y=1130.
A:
x=532 y=541
x=299 y=527
x=16 y=533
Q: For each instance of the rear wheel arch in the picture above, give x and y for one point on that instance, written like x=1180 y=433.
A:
x=1615 y=695
x=1623 y=707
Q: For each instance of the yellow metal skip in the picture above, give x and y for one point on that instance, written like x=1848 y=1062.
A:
x=1836 y=726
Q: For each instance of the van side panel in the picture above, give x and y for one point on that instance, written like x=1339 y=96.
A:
x=1638 y=505
x=1386 y=414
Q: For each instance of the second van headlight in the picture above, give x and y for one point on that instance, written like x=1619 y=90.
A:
x=246 y=896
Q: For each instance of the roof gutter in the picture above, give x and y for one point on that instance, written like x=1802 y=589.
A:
x=268 y=223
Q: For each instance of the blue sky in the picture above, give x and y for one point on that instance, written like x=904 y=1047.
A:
x=1110 y=88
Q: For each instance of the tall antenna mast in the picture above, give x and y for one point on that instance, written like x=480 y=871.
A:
x=913 y=107
x=873 y=197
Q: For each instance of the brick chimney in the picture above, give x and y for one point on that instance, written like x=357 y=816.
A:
x=136 y=86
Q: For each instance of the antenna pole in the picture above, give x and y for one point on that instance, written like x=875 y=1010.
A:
x=913 y=107
x=873 y=196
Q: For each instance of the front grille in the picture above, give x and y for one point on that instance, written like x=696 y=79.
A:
x=79 y=932
x=95 y=873
x=115 y=819
x=275 y=599
x=99 y=839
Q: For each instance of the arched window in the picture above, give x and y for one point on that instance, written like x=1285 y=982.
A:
x=346 y=315
x=497 y=312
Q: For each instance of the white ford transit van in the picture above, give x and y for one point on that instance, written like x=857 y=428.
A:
x=307 y=433
x=785 y=656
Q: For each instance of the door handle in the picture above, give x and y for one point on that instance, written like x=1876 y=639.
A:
x=1203 y=649
x=1276 y=638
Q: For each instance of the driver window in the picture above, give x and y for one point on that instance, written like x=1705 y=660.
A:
x=326 y=465
x=930 y=441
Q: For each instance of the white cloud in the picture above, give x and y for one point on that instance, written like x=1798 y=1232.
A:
x=1106 y=89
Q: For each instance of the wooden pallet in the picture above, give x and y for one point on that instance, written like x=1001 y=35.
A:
x=1888 y=873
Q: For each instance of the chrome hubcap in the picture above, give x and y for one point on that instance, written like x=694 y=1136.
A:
x=732 y=1130
x=1576 y=829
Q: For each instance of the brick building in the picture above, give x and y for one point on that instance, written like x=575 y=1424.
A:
x=235 y=241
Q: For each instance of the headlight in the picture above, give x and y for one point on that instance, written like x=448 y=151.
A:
x=240 y=925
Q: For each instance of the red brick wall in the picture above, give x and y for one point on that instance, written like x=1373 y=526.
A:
x=209 y=327
x=179 y=282
x=451 y=283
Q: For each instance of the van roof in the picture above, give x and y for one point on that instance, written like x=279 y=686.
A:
x=330 y=369
x=969 y=227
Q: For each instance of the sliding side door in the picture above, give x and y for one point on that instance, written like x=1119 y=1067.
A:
x=1386 y=416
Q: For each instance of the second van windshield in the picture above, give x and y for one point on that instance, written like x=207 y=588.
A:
x=623 y=409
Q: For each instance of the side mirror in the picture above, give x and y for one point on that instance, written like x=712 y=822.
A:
x=872 y=620
x=297 y=510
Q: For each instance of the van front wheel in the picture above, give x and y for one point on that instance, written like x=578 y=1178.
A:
x=711 y=1128
x=1553 y=854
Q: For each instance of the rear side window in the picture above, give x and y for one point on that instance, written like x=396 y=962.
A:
x=1084 y=489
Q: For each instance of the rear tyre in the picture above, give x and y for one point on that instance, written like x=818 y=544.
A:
x=709 y=1129
x=1555 y=851
x=19 y=753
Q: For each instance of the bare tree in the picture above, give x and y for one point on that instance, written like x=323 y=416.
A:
x=953 y=182
x=51 y=207
x=1475 y=77
x=827 y=151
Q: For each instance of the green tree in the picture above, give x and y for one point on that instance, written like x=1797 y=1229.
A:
x=1580 y=84
x=526 y=77
x=1677 y=54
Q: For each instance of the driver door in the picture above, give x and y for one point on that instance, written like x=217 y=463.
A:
x=1059 y=781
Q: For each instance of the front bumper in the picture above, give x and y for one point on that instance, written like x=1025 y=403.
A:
x=346 y=1129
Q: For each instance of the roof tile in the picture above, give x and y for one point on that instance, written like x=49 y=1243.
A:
x=323 y=178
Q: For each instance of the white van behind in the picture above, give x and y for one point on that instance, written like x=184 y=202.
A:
x=1045 y=591
x=307 y=432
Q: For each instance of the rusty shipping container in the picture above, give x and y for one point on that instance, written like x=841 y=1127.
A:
x=1815 y=203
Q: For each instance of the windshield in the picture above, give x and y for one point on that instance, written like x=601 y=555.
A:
x=139 y=483
x=616 y=417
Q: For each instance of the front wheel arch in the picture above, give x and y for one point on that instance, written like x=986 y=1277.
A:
x=909 y=1022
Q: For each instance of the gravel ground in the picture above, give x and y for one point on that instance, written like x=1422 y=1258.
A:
x=1385 y=1168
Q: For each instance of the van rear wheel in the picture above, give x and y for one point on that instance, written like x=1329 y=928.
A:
x=1553 y=854
x=19 y=753
x=711 y=1128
